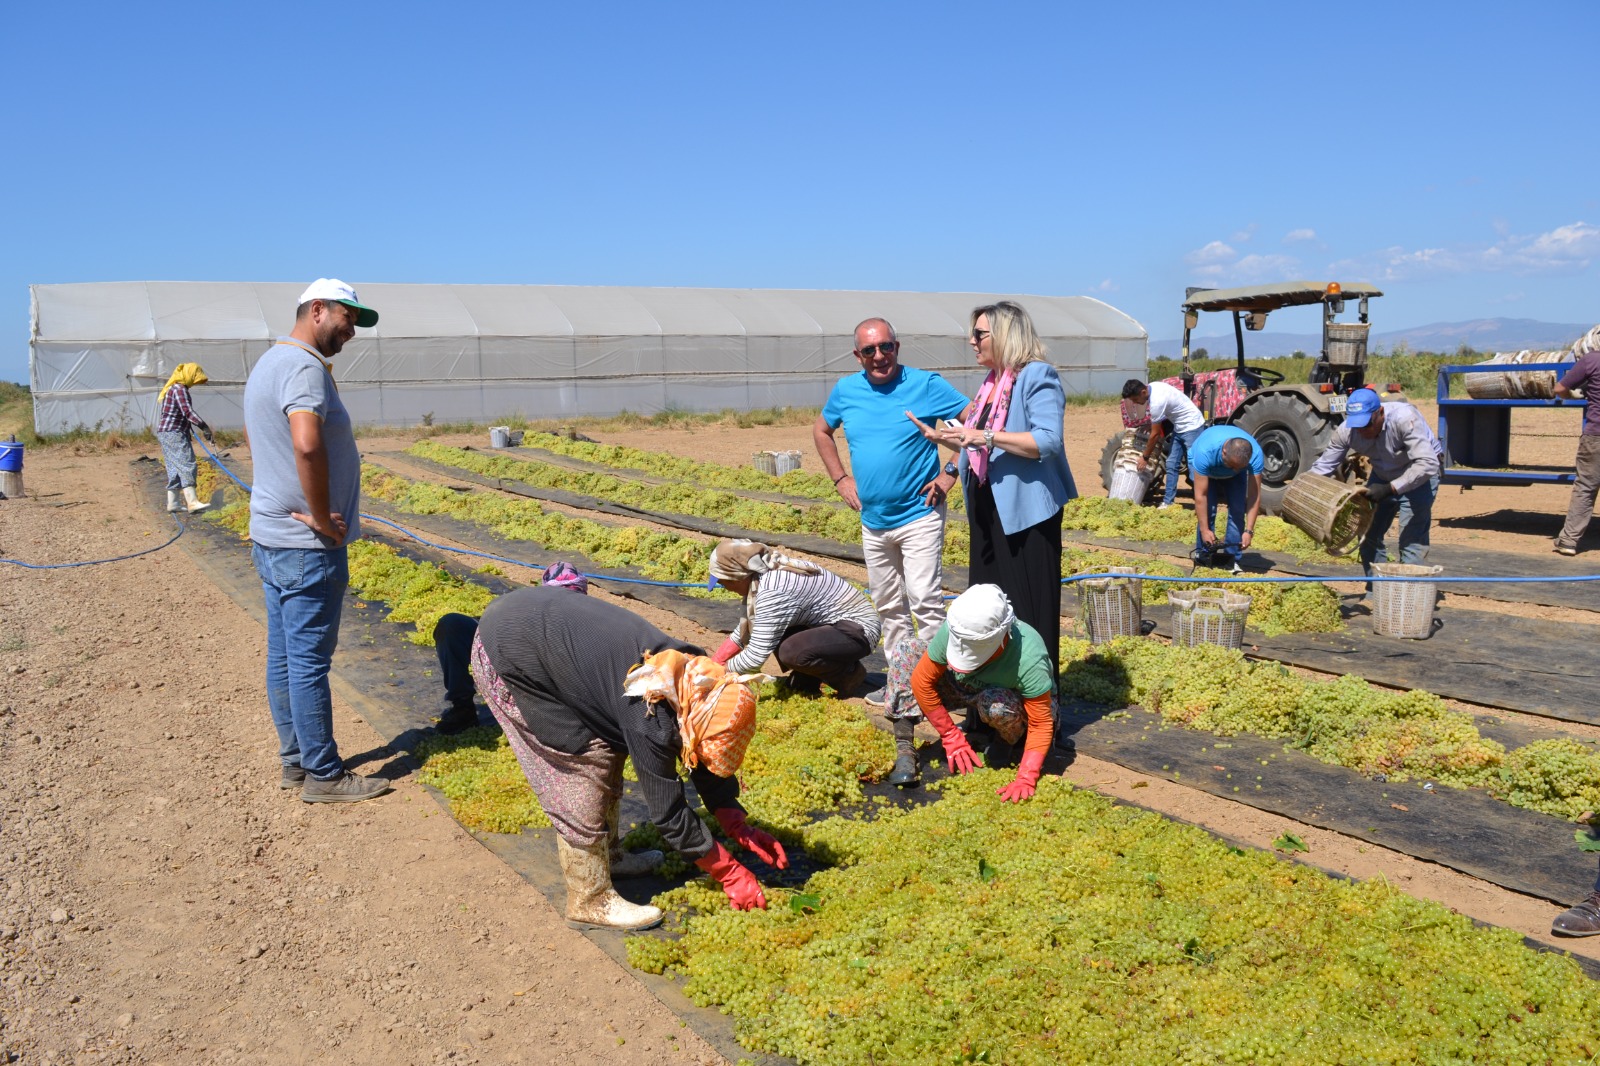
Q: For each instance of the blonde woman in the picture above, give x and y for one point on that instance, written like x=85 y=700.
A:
x=1013 y=467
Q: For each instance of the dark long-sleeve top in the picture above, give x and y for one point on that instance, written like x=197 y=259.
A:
x=176 y=411
x=564 y=657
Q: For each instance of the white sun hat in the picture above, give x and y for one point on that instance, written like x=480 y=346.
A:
x=978 y=622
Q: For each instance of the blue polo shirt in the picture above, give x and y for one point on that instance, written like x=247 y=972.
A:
x=889 y=457
x=1205 y=454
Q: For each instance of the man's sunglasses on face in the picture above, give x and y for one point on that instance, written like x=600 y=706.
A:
x=887 y=348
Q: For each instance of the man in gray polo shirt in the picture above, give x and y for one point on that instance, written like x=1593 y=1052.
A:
x=303 y=511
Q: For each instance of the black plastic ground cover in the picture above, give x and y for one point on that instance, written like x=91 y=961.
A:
x=394 y=686
x=1466 y=830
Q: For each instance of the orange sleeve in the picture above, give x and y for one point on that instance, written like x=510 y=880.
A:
x=924 y=686
x=1041 y=727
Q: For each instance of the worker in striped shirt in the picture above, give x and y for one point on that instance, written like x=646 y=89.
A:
x=817 y=624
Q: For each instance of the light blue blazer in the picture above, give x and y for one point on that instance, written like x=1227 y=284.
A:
x=1028 y=491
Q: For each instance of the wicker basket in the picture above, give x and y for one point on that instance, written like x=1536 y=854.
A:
x=765 y=462
x=1329 y=511
x=1515 y=384
x=1347 y=345
x=1404 y=608
x=1111 y=606
x=1209 y=616
x=1129 y=484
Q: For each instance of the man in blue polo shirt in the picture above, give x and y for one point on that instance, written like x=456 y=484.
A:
x=1225 y=463
x=894 y=481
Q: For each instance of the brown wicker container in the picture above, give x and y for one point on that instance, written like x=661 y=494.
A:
x=1347 y=345
x=1330 y=512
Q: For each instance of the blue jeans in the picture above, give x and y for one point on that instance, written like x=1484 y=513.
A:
x=1177 y=451
x=1231 y=491
x=304 y=590
x=1415 y=511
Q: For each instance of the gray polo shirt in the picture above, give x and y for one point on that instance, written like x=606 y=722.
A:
x=289 y=378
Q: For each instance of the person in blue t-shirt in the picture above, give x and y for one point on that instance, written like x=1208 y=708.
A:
x=894 y=480
x=1225 y=463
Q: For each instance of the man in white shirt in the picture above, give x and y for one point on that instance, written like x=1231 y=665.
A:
x=1166 y=404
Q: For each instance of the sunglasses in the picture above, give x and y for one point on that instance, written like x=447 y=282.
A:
x=887 y=348
x=979 y=334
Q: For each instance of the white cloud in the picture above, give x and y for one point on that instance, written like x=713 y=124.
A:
x=1105 y=286
x=1568 y=249
x=1296 y=235
x=1219 y=263
x=1243 y=236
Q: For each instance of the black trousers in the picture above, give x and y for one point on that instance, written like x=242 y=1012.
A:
x=452 y=639
x=1025 y=564
x=828 y=653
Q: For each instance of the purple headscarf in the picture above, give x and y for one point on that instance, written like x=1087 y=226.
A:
x=565 y=576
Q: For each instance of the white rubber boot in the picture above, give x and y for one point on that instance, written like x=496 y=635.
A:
x=174 y=501
x=591 y=901
x=195 y=503
x=626 y=864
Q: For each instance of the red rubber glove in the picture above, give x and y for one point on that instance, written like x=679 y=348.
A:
x=1027 y=778
x=744 y=891
x=763 y=844
x=957 y=752
x=728 y=650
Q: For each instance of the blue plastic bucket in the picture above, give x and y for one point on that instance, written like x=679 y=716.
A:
x=10 y=456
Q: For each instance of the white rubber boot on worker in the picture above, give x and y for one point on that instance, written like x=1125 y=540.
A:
x=591 y=901
x=174 y=501
x=195 y=502
x=626 y=864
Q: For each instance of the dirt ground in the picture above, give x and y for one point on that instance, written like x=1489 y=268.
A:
x=164 y=902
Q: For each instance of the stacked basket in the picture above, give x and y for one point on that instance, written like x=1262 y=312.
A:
x=1332 y=513
x=1515 y=384
x=776 y=463
x=1209 y=616
x=1127 y=481
x=1111 y=606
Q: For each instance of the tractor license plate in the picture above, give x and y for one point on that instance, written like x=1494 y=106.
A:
x=1336 y=404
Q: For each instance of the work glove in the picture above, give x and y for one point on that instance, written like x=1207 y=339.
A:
x=743 y=890
x=957 y=752
x=1378 y=490
x=728 y=650
x=1027 y=778
x=205 y=431
x=763 y=844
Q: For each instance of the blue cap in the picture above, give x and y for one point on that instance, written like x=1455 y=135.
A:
x=1358 y=409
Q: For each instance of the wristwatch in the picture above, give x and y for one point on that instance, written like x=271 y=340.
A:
x=950 y=468
x=988 y=438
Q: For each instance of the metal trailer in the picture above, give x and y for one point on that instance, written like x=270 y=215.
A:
x=1476 y=434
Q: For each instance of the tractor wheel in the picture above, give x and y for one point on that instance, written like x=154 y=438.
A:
x=1140 y=436
x=1292 y=434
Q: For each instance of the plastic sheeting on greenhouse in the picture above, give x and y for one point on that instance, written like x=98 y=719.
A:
x=100 y=351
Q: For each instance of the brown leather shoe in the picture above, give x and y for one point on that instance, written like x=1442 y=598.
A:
x=1582 y=919
x=847 y=685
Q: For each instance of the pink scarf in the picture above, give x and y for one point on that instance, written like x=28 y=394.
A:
x=997 y=393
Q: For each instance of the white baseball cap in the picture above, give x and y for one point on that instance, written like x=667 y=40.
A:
x=337 y=291
x=977 y=624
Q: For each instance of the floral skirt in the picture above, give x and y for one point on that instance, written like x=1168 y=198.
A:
x=576 y=791
x=1000 y=709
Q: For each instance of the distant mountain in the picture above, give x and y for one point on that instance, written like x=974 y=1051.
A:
x=1483 y=334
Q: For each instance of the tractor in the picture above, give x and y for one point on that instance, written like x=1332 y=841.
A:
x=1292 y=423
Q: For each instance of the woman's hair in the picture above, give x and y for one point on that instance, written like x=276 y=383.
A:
x=1011 y=335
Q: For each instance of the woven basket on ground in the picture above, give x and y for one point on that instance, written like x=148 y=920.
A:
x=1111 y=606
x=1209 y=616
x=1404 y=608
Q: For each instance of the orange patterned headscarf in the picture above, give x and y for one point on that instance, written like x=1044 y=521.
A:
x=716 y=709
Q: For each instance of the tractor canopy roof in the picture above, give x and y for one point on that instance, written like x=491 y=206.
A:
x=1270 y=297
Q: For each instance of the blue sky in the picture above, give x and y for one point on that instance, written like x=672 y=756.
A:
x=1443 y=151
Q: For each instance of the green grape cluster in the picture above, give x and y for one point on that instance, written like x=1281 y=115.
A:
x=1343 y=722
x=833 y=522
x=420 y=593
x=478 y=774
x=663 y=464
x=1073 y=930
